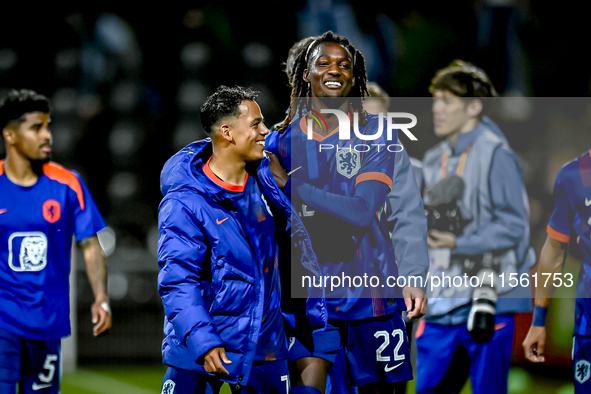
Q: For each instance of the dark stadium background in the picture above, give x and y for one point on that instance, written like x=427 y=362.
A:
x=127 y=83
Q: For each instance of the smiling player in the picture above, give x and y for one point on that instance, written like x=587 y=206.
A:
x=340 y=195
x=219 y=256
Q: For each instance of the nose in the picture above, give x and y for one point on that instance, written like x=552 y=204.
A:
x=334 y=69
x=437 y=106
x=46 y=133
x=264 y=130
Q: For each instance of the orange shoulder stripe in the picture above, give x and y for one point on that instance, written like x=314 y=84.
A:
x=1 y=167
x=374 y=176
x=57 y=173
x=557 y=235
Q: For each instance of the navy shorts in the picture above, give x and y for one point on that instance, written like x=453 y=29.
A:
x=266 y=377
x=582 y=363
x=375 y=350
x=303 y=343
x=35 y=366
x=446 y=357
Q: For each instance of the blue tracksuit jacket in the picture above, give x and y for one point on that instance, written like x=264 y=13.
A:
x=210 y=281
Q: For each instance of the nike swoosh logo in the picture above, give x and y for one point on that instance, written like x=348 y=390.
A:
x=42 y=386
x=587 y=202
x=3 y=210
x=388 y=369
x=221 y=221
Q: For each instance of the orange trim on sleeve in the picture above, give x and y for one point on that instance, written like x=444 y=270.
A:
x=60 y=174
x=421 y=328
x=557 y=235
x=215 y=179
x=374 y=176
x=1 y=167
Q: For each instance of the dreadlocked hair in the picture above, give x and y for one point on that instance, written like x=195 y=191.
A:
x=300 y=89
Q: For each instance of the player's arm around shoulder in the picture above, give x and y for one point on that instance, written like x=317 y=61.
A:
x=96 y=268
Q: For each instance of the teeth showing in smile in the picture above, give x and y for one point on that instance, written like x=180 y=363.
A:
x=332 y=83
x=261 y=143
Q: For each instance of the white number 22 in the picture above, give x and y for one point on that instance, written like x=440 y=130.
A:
x=398 y=332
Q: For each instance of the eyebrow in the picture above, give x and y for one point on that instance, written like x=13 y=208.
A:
x=345 y=58
x=259 y=119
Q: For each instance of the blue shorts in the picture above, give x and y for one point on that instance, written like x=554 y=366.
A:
x=34 y=365
x=303 y=343
x=266 y=377
x=582 y=363
x=446 y=357
x=375 y=350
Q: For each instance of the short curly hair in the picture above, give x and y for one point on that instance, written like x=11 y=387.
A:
x=20 y=102
x=224 y=103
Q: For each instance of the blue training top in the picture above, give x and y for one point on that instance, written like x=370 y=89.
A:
x=340 y=187
x=36 y=227
x=572 y=214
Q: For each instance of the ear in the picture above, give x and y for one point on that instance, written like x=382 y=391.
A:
x=225 y=132
x=306 y=75
x=475 y=108
x=8 y=133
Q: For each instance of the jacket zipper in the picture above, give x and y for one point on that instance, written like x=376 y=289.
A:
x=239 y=380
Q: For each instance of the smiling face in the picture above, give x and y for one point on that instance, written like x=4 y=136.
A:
x=30 y=139
x=248 y=132
x=330 y=71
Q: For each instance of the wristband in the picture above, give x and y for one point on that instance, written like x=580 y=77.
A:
x=106 y=307
x=539 y=318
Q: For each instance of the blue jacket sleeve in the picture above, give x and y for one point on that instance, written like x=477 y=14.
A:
x=181 y=253
x=359 y=210
x=510 y=218
x=408 y=221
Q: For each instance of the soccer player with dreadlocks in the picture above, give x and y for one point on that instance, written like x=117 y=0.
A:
x=340 y=192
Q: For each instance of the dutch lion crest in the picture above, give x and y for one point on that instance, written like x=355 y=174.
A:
x=32 y=254
x=582 y=371
x=168 y=387
x=348 y=162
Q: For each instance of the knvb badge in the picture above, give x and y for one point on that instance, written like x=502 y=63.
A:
x=345 y=121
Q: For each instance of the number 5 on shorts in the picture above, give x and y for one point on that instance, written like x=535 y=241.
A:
x=48 y=365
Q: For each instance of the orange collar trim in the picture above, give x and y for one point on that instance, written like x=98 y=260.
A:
x=215 y=179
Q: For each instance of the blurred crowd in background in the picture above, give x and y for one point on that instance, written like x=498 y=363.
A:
x=126 y=84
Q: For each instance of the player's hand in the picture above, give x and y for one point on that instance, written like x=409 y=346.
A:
x=214 y=359
x=278 y=172
x=416 y=302
x=534 y=344
x=441 y=239
x=101 y=316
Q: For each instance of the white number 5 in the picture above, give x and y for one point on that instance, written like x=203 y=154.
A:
x=51 y=358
